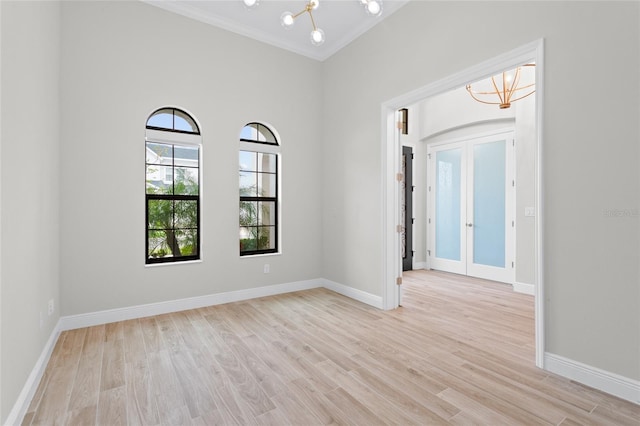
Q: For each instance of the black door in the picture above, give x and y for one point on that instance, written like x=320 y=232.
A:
x=407 y=209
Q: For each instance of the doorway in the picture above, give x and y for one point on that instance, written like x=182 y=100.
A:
x=391 y=161
x=407 y=207
x=471 y=202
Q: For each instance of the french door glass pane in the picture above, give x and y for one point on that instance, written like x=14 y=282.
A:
x=489 y=203
x=448 y=175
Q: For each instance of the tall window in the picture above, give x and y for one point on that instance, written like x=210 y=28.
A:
x=172 y=187
x=259 y=203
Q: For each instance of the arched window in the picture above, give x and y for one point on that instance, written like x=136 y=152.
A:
x=172 y=193
x=259 y=190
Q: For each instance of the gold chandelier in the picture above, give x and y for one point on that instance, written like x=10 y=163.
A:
x=505 y=87
x=287 y=19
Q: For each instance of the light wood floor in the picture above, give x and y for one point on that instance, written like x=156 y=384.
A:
x=459 y=351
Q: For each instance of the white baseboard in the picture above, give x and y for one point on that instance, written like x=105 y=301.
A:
x=359 y=295
x=121 y=314
x=419 y=265
x=524 y=288
x=605 y=381
x=31 y=385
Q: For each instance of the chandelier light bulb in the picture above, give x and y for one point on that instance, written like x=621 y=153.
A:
x=317 y=37
x=374 y=7
x=251 y=4
x=314 y=4
x=287 y=19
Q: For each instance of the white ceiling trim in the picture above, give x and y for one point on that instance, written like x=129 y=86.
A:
x=232 y=26
x=287 y=43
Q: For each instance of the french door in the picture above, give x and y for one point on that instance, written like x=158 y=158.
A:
x=471 y=228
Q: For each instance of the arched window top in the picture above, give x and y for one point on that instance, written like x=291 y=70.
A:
x=256 y=132
x=173 y=120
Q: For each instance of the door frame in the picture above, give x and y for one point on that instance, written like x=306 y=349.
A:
x=390 y=167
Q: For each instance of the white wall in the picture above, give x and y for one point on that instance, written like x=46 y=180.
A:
x=29 y=139
x=120 y=61
x=591 y=158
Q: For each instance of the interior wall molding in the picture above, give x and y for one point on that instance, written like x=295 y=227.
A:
x=140 y=311
x=608 y=382
x=529 y=289
x=353 y=293
x=16 y=415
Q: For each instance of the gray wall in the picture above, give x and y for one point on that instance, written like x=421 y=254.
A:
x=29 y=143
x=120 y=61
x=591 y=158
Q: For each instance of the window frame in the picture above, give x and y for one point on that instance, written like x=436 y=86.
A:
x=262 y=147
x=175 y=139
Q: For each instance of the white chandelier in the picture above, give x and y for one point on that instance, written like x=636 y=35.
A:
x=287 y=19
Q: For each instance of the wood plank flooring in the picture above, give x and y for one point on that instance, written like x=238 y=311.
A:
x=459 y=351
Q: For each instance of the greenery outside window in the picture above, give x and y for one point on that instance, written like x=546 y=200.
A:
x=172 y=169
x=258 y=188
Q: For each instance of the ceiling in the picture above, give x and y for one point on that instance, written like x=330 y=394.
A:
x=341 y=20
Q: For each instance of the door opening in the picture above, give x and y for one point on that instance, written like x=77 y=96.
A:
x=391 y=165
x=407 y=208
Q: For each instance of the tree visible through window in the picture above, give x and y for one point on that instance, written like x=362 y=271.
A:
x=258 y=167
x=172 y=187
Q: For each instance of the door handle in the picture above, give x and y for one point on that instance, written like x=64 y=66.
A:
x=469 y=225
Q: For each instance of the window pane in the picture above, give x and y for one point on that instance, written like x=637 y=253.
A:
x=162 y=118
x=247 y=161
x=267 y=213
x=187 y=242
x=266 y=185
x=184 y=123
x=266 y=135
x=249 y=132
x=248 y=238
x=158 y=244
x=186 y=214
x=160 y=214
x=159 y=179
x=248 y=213
x=266 y=162
x=266 y=238
x=185 y=181
x=448 y=199
x=186 y=156
x=248 y=184
x=489 y=205
x=159 y=153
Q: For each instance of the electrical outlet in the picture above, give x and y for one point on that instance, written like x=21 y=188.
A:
x=529 y=211
x=50 y=306
x=266 y=268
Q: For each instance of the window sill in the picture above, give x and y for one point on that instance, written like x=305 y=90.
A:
x=252 y=256
x=186 y=262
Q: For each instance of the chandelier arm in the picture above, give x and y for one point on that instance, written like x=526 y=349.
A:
x=480 y=100
x=495 y=86
x=299 y=13
x=524 y=96
x=313 y=22
x=514 y=84
x=524 y=87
